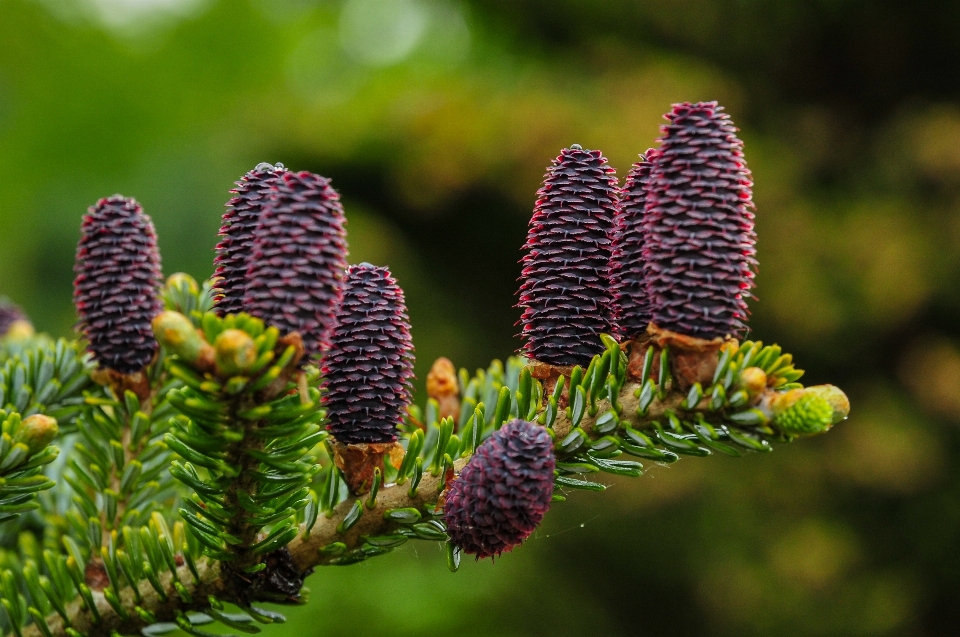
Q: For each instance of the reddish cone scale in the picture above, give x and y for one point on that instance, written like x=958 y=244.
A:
x=627 y=264
x=298 y=259
x=565 y=291
x=700 y=240
x=369 y=365
x=117 y=287
x=502 y=494
x=237 y=232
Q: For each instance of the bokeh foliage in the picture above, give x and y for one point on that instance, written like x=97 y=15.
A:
x=435 y=120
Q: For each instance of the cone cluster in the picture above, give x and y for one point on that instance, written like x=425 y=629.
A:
x=369 y=365
x=627 y=270
x=117 y=284
x=565 y=292
x=699 y=225
x=237 y=232
x=297 y=259
x=504 y=491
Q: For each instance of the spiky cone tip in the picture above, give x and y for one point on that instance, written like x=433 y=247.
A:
x=565 y=290
x=502 y=494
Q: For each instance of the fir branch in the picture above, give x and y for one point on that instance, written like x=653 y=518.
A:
x=44 y=376
x=24 y=451
x=249 y=416
x=356 y=529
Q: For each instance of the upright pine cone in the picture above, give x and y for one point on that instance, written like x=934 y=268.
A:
x=699 y=225
x=117 y=288
x=237 y=231
x=503 y=493
x=565 y=291
x=367 y=370
x=627 y=265
x=295 y=276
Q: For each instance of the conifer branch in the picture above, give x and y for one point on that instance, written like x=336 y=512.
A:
x=286 y=466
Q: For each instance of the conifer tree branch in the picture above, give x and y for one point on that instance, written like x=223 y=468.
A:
x=341 y=537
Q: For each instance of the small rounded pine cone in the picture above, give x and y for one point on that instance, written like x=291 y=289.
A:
x=627 y=266
x=117 y=287
x=297 y=260
x=237 y=231
x=368 y=368
x=502 y=494
x=699 y=250
x=565 y=288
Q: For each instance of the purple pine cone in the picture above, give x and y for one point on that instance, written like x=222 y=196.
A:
x=565 y=291
x=503 y=493
x=627 y=265
x=700 y=241
x=237 y=231
x=117 y=287
x=368 y=368
x=297 y=260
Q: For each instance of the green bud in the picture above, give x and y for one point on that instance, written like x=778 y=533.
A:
x=234 y=352
x=753 y=380
x=37 y=432
x=19 y=330
x=835 y=397
x=176 y=333
x=802 y=413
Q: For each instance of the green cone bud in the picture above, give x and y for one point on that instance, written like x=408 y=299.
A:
x=37 y=432
x=176 y=333
x=234 y=352
x=835 y=397
x=801 y=413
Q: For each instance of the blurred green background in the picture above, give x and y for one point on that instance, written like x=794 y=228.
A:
x=435 y=120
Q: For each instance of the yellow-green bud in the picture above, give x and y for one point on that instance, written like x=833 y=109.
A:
x=835 y=397
x=180 y=279
x=176 y=333
x=20 y=330
x=37 y=432
x=234 y=352
x=801 y=413
x=753 y=380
